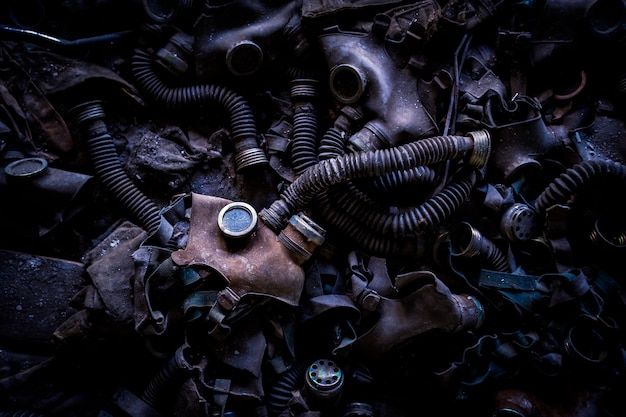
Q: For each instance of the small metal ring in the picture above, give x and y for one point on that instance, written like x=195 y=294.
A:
x=26 y=168
x=237 y=219
x=347 y=83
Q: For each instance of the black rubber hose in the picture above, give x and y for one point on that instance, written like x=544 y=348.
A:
x=371 y=164
x=361 y=235
x=368 y=224
x=280 y=393
x=394 y=181
x=90 y=117
x=332 y=143
x=304 y=93
x=411 y=220
x=170 y=376
x=468 y=242
x=241 y=119
x=575 y=178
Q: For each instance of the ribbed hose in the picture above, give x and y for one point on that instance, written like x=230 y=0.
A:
x=412 y=220
x=432 y=212
x=371 y=164
x=364 y=223
x=241 y=119
x=332 y=143
x=364 y=237
x=574 y=178
x=280 y=393
x=304 y=93
x=343 y=204
x=169 y=377
x=90 y=117
x=468 y=242
x=394 y=181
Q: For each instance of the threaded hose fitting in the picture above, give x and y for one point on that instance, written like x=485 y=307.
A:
x=468 y=242
x=482 y=148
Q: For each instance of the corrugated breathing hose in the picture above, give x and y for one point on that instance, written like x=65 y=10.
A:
x=575 y=178
x=242 y=122
x=304 y=94
x=475 y=148
x=332 y=143
x=364 y=237
x=411 y=220
x=281 y=392
x=90 y=117
x=168 y=379
x=468 y=242
x=394 y=181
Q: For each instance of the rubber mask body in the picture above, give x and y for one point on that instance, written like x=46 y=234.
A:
x=389 y=93
x=239 y=40
x=258 y=265
x=431 y=306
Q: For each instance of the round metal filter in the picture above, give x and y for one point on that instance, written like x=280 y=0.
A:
x=324 y=378
x=518 y=222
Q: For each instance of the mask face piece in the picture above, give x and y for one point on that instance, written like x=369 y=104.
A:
x=431 y=305
x=256 y=264
x=362 y=71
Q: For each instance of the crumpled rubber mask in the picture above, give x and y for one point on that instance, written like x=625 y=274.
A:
x=426 y=303
x=257 y=264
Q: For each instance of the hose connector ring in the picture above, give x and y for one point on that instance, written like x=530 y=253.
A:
x=482 y=148
x=246 y=158
x=275 y=216
x=87 y=111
